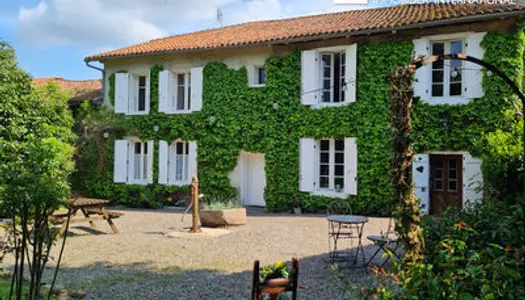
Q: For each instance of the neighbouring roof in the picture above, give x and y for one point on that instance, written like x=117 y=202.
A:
x=81 y=90
x=311 y=27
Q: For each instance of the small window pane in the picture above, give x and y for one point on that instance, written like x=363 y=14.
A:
x=142 y=81
x=323 y=182
x=437 y=76
x=145 y=147
x=452 y=186
x=438 y=65
x=339 y=145
x=324 y=157
x=142 y=99
x=339 y=170
x=438 y=48
x=438 y=173
x=437 y=90
x=452 y=164
x=438 y=184
x=179 y=148
x=327 y=60
x=439 y=163
x=326 y=72
x=324 y=170
x=261 y=75
x=339 y=158
x=339 y=183
x=187 y=148
x=452 y=174
x=325 y=145
x=456 y=47
x=455 y=89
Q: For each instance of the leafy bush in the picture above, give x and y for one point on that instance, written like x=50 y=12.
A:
x=475 y=254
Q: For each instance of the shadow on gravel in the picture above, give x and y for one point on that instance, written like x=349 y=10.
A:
x=144 y=280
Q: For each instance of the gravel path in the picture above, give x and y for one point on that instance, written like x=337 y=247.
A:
x=143 y=262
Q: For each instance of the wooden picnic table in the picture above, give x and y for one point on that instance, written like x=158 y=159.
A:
x=92 y=210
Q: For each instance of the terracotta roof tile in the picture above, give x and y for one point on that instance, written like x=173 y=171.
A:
x=311 y=26
x=81 y=90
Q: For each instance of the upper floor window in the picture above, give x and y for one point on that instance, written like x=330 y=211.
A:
x=261 y=76
x=328 y=76
x=446 y=75
x=180 y=91
x=181 y=95
x=132 y=93
x=333 y=77
x=449 y=81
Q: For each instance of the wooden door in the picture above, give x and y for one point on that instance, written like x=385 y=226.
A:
x=446 y=182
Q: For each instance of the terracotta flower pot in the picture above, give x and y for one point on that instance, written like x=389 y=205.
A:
x=275 y=286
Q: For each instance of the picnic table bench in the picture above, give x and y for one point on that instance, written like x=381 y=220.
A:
x=92 y=210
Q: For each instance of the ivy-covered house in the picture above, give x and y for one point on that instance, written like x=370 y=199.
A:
x=274 y=111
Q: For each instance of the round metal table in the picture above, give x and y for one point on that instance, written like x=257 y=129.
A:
x=346 y=227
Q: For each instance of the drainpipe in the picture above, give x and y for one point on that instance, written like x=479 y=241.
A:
x=103 y=78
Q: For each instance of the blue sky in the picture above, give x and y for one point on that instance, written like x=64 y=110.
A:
x=52 y=37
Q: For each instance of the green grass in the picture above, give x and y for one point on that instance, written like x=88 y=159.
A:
x=221 y=205
x=5 y=286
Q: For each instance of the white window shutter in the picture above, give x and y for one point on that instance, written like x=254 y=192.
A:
x=422 y=84
x=473 y=76
x=163 y=90
x=309 y=77
x=163 y=162
x=196 y=88
x=421 y=178
x=121 y=92
x=472 y=180
x=351 y=73
x=133 y=85
x=148 y=91
x=150 y=161
x=120 y=162
x=350 y=166
x=192 y=160
x=307 y=157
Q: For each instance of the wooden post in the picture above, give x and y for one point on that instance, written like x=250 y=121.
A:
x=195 y=228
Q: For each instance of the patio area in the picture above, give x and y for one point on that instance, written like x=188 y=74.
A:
x=150 y=259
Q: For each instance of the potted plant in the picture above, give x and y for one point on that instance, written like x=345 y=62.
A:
x=217 y=212
x=297 y=207
x=276 y=277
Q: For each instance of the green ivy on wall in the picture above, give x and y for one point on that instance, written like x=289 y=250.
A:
x=272 y=120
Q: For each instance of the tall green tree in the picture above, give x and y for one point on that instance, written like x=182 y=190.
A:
x=35 y=163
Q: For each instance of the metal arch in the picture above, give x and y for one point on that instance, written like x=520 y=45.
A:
x=416 y=64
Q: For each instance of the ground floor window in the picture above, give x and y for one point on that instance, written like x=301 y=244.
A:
x=179 y=155
x=140 y=161
x=332 y=164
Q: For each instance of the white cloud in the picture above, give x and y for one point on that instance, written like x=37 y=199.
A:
x=115 y=23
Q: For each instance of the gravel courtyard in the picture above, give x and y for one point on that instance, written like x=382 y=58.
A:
x=144 y=262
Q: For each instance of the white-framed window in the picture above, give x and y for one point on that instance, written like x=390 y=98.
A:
x=256 y=75
x=447 y=75
x=329 y=76
x=332 y=73
x=132 y=95
x=177 y=162
x=181 y=96
x=179 y=159
x=133 y=161
x=450 y=81
x=139 y=161
x=328 y=166
x=331 y=164
x=180 y=91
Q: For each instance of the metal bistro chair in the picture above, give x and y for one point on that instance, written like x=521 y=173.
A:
x=388 y=243
x=338 y=231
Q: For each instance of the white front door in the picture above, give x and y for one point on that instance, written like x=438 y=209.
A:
x=255 y=179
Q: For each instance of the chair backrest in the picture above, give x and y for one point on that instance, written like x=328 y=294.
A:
x=339 y=207
x=259 y=288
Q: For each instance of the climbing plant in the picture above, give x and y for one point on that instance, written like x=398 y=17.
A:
x=272 y=120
